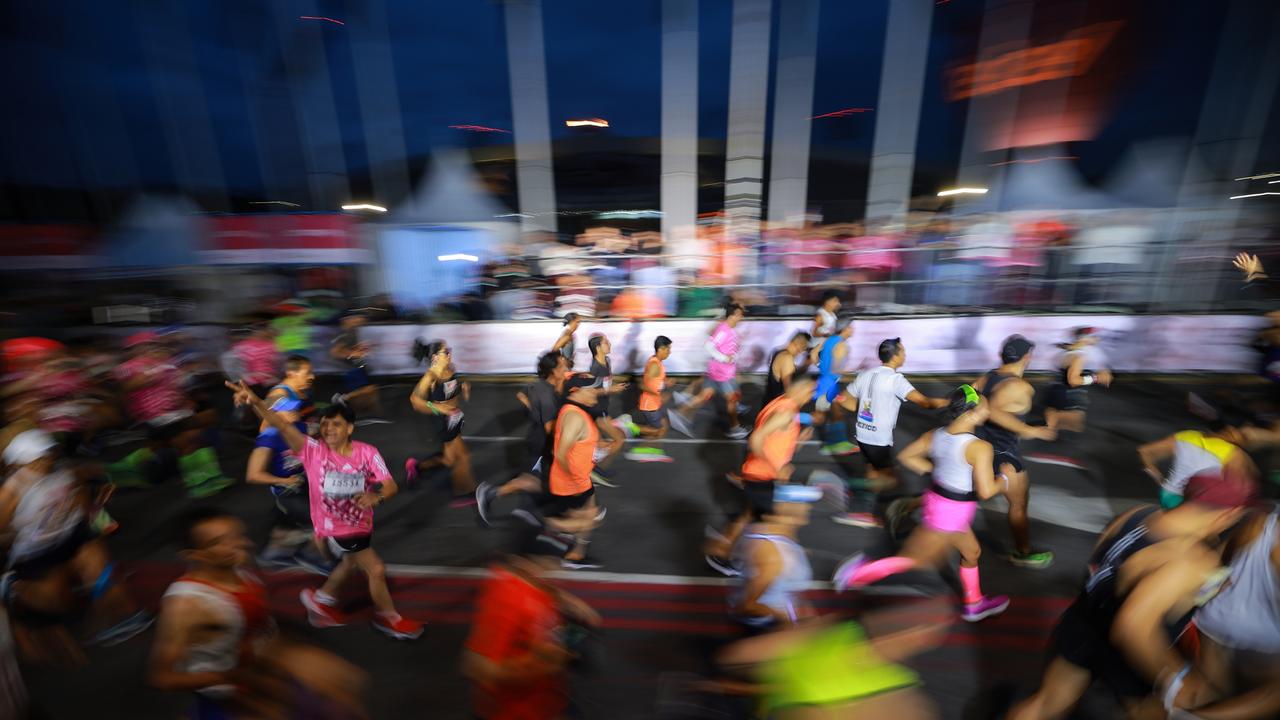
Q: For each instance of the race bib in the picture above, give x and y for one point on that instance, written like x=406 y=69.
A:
x=343 y=483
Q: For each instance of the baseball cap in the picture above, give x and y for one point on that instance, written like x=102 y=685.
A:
x=1015 y=348
x=796 y=494
x=27 y=447
x=1227 y=489
x=579 y=381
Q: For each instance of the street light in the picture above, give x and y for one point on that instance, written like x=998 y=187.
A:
x=365 y=206
x=963 y=191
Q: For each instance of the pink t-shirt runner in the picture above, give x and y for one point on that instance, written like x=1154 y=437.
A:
x=162 y=393
x=335 y=483
x=260 y=359
x=725 y=340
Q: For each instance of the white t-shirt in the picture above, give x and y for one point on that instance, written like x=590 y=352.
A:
x=880 y=394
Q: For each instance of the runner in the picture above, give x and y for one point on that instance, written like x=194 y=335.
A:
x=572 y=502
x=254 y=359
x=156 y=399
x=521 y=639
x=876 y=397
x=566 y=344
x=358 y=389
x=1010 y=398
x=346 y=480
x=1150 y=569
x=274 y=463
x=1194 y=452
x=216 y=638
x=1081 y=364
x=617 y=429
x=722 y=373
x=436 y=395
x=299 y=376
x=55 y=561
x=831 y=356
x=1239 y=629
x=770 y=449
x=824 y=324
x=652 y=419
x=775 y=570
x=960 y=465
x=783 y=365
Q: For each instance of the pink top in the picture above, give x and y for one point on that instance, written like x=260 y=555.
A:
x=259 y=357
x=63 y=397
x=336 y=481
x=162 y=393
x=725 y=340
x=870 y=252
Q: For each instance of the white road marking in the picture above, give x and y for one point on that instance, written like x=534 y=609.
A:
x=1062 y=508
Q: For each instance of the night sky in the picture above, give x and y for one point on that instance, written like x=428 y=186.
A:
x=219 y=93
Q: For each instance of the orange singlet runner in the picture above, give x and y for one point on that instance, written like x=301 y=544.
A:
x=651 y=388
x=778 y=448
x=575 y=479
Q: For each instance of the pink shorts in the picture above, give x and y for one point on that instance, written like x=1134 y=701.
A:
x=946 y=515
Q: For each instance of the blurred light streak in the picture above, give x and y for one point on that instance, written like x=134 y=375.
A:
x=1032 y=162
x=843 y=113
x=274 y=202
x=1273 y=182
x=457 y=256
x=587 y=122
x=624 y=214
x=479 y=128
x=1240 y=197
x=318 y=17
x=1263 y=176
x=1070 y=57
x=364 y=206
x=963 y=191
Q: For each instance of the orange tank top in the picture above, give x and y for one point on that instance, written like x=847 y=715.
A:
x=651 y=388
x=576 y=478
x=778 y=447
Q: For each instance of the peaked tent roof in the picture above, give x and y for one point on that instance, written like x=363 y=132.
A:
x=1150 y=174
x=450 y=192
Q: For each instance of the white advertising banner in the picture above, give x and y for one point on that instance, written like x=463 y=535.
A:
x=938 y=345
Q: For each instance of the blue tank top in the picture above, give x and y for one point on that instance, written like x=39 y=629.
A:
x=308 y=407
x=827 y=355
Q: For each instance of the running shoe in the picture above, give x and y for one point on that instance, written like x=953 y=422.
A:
x=860 y=520
x=647 y=455
x=722 y=566
x=840 y=449
x=410 y=471
x=600 y=477
x=485 y=495
x=985 y=608
x=680 y=423
x=897 y=513
x=843 y=576
x=131 y=626
x=681 y=398
x=319 y=614
x=1036 y=560
x=586 y=563
x=739 y=433
x=627 y=425
x=398 y=627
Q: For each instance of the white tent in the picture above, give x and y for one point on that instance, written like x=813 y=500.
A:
x=431 y=245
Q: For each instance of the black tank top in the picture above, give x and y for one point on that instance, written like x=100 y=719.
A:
x=772 y=385
x=445 y=389
x=1100 y=598
x=1001 y=439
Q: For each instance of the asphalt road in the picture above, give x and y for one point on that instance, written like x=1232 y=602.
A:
x=664 y=609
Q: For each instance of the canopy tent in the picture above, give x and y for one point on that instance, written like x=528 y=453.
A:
x=433 y=244
x=155 y=233
x=1151 y=174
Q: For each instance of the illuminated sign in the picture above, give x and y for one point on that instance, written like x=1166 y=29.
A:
x=1070 y=57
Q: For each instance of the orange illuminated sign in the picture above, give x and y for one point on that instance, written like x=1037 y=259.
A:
x=1066 y=58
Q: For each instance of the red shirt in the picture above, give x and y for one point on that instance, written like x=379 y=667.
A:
x=511 y=617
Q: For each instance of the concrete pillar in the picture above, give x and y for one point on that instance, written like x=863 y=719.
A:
x=380 y=105
x=748 y=103
x=679 y=200
x=792 y=112
x=893 y=156
x=527 y=67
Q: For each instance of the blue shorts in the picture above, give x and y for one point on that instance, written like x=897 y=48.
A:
x=828 y=387
x=355 y=378
x=724 y=388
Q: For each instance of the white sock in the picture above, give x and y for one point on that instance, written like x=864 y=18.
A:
x=325 y=598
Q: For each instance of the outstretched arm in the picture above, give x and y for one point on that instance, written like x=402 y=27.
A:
x=245 y=396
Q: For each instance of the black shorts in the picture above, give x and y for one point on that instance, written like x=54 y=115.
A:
x=1006 y=457
x=651 y=418
x=355 y=378
x=37 y=566
x=559 y=505
x=164 y=432
x=340 y=546
x=759 y=497
x=450 y=429
x=879 y=457
x=1067 y=399
x=1084 y=642
x=293 y=508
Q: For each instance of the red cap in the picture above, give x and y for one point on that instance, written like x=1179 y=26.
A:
x=1228 y=489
